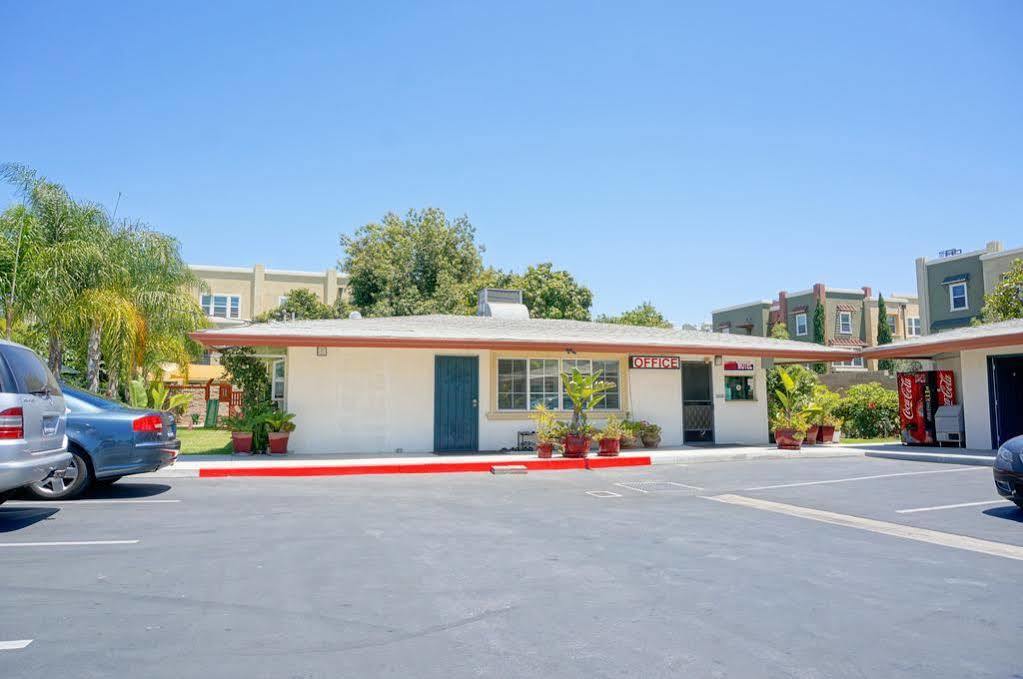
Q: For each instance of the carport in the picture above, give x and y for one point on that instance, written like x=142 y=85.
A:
x=988 y=363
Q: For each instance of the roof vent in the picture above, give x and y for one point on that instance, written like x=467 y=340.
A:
x=501 y=304
x=354 y=316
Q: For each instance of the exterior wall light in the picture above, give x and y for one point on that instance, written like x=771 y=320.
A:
x=321 y=351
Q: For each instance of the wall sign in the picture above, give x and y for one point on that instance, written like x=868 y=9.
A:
x=654 y=362
x=743 y=366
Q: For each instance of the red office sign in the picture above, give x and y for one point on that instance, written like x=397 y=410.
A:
x=654 y=362
x=744 y=366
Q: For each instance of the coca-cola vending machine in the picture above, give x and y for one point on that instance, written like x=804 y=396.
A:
x=920 y=395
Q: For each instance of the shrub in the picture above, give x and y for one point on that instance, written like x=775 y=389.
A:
x=805 y=381
x=869 y=411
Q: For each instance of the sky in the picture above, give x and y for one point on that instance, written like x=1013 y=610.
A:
x=696 y=155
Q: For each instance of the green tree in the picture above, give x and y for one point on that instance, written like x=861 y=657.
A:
x=1005 y=302
x=884 y=332
x=645 y=314
x=553 y=293
x=18 y=234
x=300 y=304
x=818 y=333
x=780 y=331
x=420 y=264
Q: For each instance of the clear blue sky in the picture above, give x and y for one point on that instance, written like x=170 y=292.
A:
x=693 y=154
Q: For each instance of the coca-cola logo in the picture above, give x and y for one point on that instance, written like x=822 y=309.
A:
x=906 y=391
x=945 y=388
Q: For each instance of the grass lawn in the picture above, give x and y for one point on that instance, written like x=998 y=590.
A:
x=204 y=441
x=880 y=440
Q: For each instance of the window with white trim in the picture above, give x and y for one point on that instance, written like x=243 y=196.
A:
x=524 y=383
x=845 y=322
x=800 y=325
x=277 y=385
x=221 y=306
x=957 y=298
x=851 y=364
x=913 y=326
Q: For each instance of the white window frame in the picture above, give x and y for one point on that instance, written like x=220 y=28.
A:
x=845 y=322
x=913 y=326
x=561 y=387
x=855 y=363
x=952 y=296
x=801 y=316
x=231 y=303
x=275 y=393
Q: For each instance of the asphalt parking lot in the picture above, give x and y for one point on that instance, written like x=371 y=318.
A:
x=849 y=567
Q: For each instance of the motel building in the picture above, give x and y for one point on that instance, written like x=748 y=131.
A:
x=419 y=384
x=987 y=362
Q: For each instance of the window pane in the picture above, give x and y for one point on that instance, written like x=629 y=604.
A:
x=511 y=384
x=609 y=372
x=543 y=383
x=235 y=302
x=567 y=365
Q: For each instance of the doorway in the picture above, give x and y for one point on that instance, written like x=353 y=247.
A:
x=1005 y=375
x=697 y=403
x=456 y=395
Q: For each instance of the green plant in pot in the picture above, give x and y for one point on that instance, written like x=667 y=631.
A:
x=241 y=434
x=548 y=430
x=586 y=392
x=610 y=437
x=650 y=434
x=630 y=433
x=279 y=426
x=249 y=430
x=827 y=402
x=790 y=419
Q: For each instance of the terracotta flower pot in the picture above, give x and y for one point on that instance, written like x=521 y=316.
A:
x=651 y=440
x=278 y=442
x=577 y=446
x=609 y=447
x=241 y=441
x=811 y=435
x=629 y=441
x=545 y=450
x=826 y=434
x=788 y=439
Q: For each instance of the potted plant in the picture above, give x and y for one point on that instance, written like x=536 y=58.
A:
x=826 y=433
x=827 y=402
x=279 y=427
x=630 y=433
x=790 y=421
x=241 y=434
x=811 y=433
x=610 y=437
x=547 y=430
x=650 y=434
x=586 y=392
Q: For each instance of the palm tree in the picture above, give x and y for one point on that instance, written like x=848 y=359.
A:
x=17 y=238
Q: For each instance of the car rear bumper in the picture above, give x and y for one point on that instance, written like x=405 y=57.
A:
x=1009 y=484
x=18 y=473
x=147 y=457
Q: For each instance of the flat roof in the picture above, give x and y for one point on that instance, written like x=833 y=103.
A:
x=480 y=332
x=989 y=336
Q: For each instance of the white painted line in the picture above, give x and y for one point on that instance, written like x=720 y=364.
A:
x=76 y=543
x=14 y=645
x=603 y=493
x=884 y=527
x=866 y=478
x=89 y=502
x=634 y=485
x=961 y=504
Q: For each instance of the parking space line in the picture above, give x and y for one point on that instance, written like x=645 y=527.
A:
x=884 y=527
x=603 y=493
x=74 y=543
x=632 y=485
x=14 y=645
x=866 y=478
x=956 y=506
x=30 y=503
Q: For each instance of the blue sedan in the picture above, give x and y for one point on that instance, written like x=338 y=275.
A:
x=108 y=440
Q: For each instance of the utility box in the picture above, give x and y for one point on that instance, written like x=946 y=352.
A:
x=949 y=426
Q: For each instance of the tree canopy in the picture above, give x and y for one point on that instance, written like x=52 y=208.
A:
x=301 y=304
x=780 y=331
x=1005 y=302
x=644 y=314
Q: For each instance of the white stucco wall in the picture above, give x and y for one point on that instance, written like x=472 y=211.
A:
x=973 y=380
x=743 y=422
x=656 y=396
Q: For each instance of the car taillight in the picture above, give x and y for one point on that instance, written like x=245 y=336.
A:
x=12 y=424
x=149 y=423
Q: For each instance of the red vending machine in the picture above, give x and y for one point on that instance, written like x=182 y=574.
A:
x=920 y=395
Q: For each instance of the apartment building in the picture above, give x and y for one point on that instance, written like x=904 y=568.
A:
x=850 y=318
x=951 y=286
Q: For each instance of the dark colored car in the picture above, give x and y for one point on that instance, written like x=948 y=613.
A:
x=1009 y=470
x=108 y=440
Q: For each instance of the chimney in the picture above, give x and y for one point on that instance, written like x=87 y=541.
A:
x=783 y=308
x=501 y=304
x=868 y=292
x=819 y=292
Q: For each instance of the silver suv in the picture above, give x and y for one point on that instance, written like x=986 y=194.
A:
x=33 y=444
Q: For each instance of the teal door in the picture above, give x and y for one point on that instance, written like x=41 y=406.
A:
x=456 y=397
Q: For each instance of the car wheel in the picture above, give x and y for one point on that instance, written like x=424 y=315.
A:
x=77 y=477
x=1019 y=503
x=108 y=481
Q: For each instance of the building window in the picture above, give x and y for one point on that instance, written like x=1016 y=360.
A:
x=957 y=297
x=725 y=329
x=800 y=325
x=845 y=322
x=893 y=322
x=221 y=306
x=913 y=326
x=739 y=388
x=851 y=364
x=524 y=383
x=277 y=388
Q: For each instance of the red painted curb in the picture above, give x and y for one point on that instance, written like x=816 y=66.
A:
x=419 y=468
x=604 y=462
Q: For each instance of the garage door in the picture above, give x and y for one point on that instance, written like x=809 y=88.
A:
x=1007 y=397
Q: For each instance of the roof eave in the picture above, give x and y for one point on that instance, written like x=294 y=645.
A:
x=930 y=349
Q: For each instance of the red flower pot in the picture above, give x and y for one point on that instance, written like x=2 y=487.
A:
x=241 y=441
x=811 y=435
x=786 y=439
x=278 y=442
x=826 y=434
x=545 y=450
x=577 y=446
x=609 y=447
